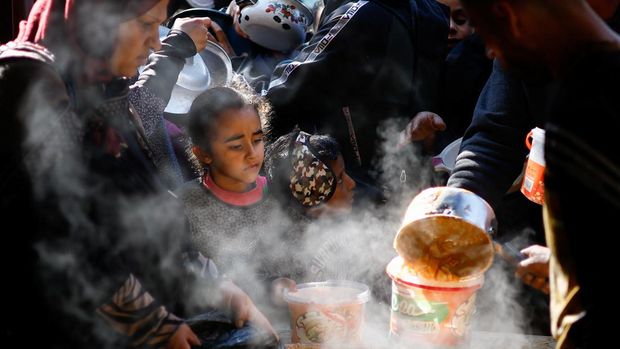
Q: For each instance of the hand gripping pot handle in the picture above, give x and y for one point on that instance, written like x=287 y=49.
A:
x=446 y=234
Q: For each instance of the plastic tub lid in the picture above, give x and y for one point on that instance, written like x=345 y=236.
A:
x=350 y=292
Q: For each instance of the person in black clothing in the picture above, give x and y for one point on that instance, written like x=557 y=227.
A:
x=493 y=151
x=98 y=260
x=567 y=40
x=509 y=106
x=370 y=62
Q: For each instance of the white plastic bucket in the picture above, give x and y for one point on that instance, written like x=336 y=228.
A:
x=533 y=186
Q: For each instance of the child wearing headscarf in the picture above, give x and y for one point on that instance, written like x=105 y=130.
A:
x=308 y=177
x=307 y=173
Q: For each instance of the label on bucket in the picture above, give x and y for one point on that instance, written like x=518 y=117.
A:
x=327 y=326
x=433 y=315
x=418 y=315
x=533 y=186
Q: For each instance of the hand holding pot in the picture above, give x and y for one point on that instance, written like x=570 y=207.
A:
x=534 y=270
x=196 y=28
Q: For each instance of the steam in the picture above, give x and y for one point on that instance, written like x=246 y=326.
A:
x=354 y=247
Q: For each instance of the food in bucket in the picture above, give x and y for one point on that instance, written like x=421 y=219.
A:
x=444 y=248
x=327 y=312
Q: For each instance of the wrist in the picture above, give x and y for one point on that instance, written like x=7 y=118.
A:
x=179 y=43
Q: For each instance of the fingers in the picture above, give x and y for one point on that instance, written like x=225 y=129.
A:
x=536 y=250
x=196 y=28
x=438 y=123
x=240 y=306
x=528 y=261
x=183 y=338
x=536 y=254
x=538 y=282
x=424 y=125
x=222 y=39
x=211 y=38
x=233 y=8
x=541 y=284
x=192 y=338
x=277 y=290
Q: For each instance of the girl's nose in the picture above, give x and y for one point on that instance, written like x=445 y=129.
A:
x=452 y=27
x=252 y=151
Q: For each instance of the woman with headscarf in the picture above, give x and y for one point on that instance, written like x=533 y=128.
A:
x=99 y=252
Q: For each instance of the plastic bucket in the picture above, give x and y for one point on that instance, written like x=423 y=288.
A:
x=327 y=312
x=533 y=186
x=430 y=312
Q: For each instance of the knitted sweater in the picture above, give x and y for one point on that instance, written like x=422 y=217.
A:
x=240 y=232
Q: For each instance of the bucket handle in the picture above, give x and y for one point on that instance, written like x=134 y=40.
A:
x=528 y=140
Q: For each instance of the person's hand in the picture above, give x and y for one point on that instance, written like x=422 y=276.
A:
x=220 y=38
x=233 y=10
x=196 y=28
x=277 y=289
x=243 y=309
x=534 y=270
x=183 y=338
x=422 y=127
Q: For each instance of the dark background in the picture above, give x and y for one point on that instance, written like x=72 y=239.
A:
x=11 y=12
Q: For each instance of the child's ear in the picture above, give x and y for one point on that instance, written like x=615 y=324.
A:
x=201 y=155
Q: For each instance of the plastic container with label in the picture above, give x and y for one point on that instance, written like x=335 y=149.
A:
x=428 y=312
x=329 y=312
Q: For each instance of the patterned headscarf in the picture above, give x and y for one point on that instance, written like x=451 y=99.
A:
x=312 y=181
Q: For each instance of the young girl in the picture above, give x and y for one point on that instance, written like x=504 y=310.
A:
x=227 y=207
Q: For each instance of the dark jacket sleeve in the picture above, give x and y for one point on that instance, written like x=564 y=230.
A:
x=493 y=149
x=315 y=84
x=150 y=95
x=162 y=71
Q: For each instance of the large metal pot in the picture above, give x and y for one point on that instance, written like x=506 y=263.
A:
x=446 y=234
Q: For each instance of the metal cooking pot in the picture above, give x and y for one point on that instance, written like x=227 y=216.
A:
x=446 y=234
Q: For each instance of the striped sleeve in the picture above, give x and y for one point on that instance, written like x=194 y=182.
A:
x=132 y=311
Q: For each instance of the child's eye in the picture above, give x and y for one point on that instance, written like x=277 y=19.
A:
x=460 y=18
x=340 y=181
x=258 y=140
x=236 y=147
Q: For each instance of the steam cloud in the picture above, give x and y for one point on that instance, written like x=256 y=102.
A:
x=356 y=247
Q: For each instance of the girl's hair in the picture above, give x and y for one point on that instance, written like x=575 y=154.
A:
x=279 y=163
x=211 y=104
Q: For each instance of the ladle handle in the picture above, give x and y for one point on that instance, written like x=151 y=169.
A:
x=509 y=253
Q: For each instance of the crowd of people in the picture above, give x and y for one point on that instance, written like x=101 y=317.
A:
x=118 y=240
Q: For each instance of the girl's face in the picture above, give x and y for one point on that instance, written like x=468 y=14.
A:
x=237 y=149
x=135 y=38
x=342 y=200
x=460 y=28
